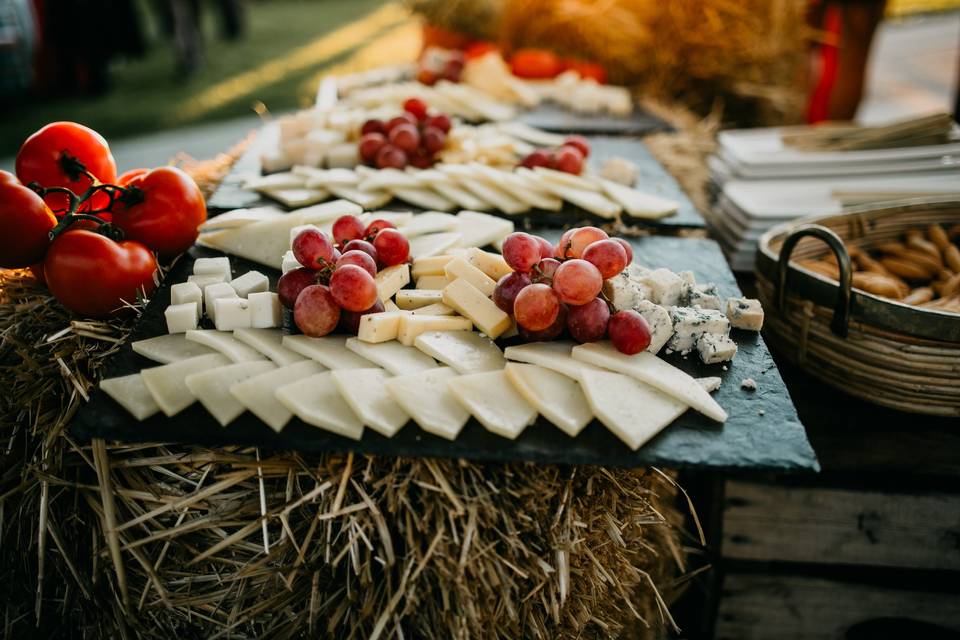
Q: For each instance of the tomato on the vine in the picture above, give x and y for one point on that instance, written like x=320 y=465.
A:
x=535 y=64
x=94 y=276
x=127 y=176
x=60 y=155
x=163 y=209
x=587 y=70
x=8 y=178
x=26 y=221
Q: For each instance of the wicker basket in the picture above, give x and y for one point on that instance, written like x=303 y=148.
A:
x=883 y=351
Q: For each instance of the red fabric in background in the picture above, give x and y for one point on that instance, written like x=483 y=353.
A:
x=819 y=105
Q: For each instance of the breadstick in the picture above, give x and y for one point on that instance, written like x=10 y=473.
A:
x=933 y=251
x=823 y=268
x=877 y=285
x=938 y=236
x=950 y=287
x=906 y=269
x=954 y=232
x=919 y=296
x=952 y=257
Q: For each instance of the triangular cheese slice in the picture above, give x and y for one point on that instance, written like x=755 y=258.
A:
x=433 y=244
x=132 y=394
x=330 y=351
x=638 y=204
x=426 y=397
x=166 y=383
x=212 y=387
x=430 y=222
x=493 y=400
x=466 y=351
x=241 y=218
x=364 y=391
x=316 y=401
x=553 y=355
x=224 y=342
x=169 y=348
x=396 y=358
x=258 y=394
x=269 y=343
x=482 y=229
x=555 y=396
x=424 y=198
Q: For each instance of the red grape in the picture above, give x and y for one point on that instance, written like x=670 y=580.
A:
x=568 y=160
x=353 y=288
x=546 y=249
x=361 y=245
x=433 y=139
x=392 y=247
x=316 y=313
x=347 y=228
x=507 y=289
x=336 y=254
x=452 y=70
x=421 y=159
x=521 y=251
x=550 y=333
x=370 y=144
x=577 y=282
x=588 y=322
x=376 y=226
x=607 y=256
x=359 y=259
x=312 y=248
x=545 y=269
x=390 y=157
x=582 y=237
x=579 y=143
x=292 y=283
x=629 y=332
x=405 y=137
x=415 y=107
x=403 y=118
x=536 y=307
x=626 y=247
x=427 y=77
x=538 y=158
x=350 y=320
x=440 y=121
x=562 y=252
x=372 y=126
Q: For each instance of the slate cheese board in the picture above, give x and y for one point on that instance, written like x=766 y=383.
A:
x=558 y=119
x=763 y=430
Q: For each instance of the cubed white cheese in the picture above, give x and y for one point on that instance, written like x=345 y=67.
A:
x=460 y=268
x=206 y=279
x=213 y=266
x=658 y=319
x=231 y=313
x=289 y=263
x=433 y=282
x=214 y=292
x=412 y=326
x=689 y=324
x=184 y=292
x=391 y=280
x=491 y=264
x=265 y=311
x=415 y=298
x=704 y=296
x=181 y=317
x=665 y=286
x=380 y=327
x=469 y=301
x=431 y=266
x=745 y=313
x=625 y=292
x=716 y=347
x=250 y=282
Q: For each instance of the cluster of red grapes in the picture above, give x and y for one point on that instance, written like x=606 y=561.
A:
x=335 y=285
x=568 y=157
x=413 y=138
x=440 y=64
x=557 y=288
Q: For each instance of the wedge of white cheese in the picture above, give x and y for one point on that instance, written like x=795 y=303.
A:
x=212 y=387
x=430 y=222
x=426 y=397
x=330 y=351
x=316 y=400
x=364 y=391
x=396 y=358
x=555 y=396
x=269 y=342
x=390 y=280
x=258 y=394
x=433 y=244
x=412 y=325
x=224 y=342
x=132 y=394
x=636 y=203
x=466 y=351
x=482 y=229
x=169 y=348
x=492 y=399
x=554 y=355
x=166 y=383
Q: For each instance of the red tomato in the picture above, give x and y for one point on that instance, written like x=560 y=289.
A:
x=125 y=178
x=479 y=49
x=94 y=276
x=163 y=210
x=8 y=178
x=57 y=155
x=535 y=63
x=587 y=70
x=26 y=221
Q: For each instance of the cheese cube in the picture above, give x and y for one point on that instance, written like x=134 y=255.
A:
x=231 y=313
x=265 y=311
x=213 y=267
x=380 y=327
x=491 y=264
x=391 y=280
x=745 y=313
x=704 y=296
x=214 y=292
x=433 y=282
x=460 y=268
x=390 y=305
x=716 y=347
x=412 y=326
x=181 y=317
x=625 y=292
x=658 y=319
x=469 y=301
x=416 y=298
x=184 y=292
x=289 y=263
x=432 y=266
x=689 y=324
x=665 y=286
x=203 y=280
x=250 y=282
x=437 y=309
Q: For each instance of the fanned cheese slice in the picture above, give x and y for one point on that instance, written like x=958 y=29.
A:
x=132 y=394
x=258 y=394
x=466 y=351
x=460 y=196
x=433 y=244
x=166 y=383
x=425 y=396
x=388 y=179
x=596 y=203
x=169 y=348
x=298 y=197
x=554 y=355
x=502 y=200
x=482 y=229
x=425 y=198
x=493 y=400
x=330 y=351
x=316 y=401
x=636 y=203
x=364 y=391
x=651 y=370
x=391 y=280
x=396 y=358
x=562 y=178
x=282 y=180
x=555 y=396
x=212 y=387
x=399 y=218
x=517 y=187
x=366 y=199
x=430 y=222
x=269 y=342
x=241 y=217
x=224 y=342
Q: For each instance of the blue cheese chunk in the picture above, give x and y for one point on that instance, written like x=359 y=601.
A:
x=745 y=313
x=661 y=326
x=689 y=324
x=624 y=292
x=665 y=286
x=705 y=296
x=715 y=347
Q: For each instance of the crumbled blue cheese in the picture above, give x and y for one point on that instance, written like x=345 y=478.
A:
x=705 y=296
x=665 y=286
x=748 y=384
x=625 y=292
x=745 y=313
x=689 y=324
x=658 y=319
x=715 y=347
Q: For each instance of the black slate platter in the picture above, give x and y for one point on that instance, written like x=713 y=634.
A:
x=553 y=117
x=652 y=178
x=763 y=431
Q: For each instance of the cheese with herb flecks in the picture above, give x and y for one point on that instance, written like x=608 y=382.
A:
x=716 y=347
x=665 y=286
x=689 y=324
x=745 y=313
x=658 y=319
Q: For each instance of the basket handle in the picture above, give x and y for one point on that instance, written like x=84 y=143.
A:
x=841 y=311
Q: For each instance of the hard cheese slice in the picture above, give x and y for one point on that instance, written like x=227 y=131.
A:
x=132 y=394
x=492 y=399
x=396 y=358
x=432 y=244
x=258 y=394
x=466 y=351
x=411 y=326
x=330 y=351
x=364 y=391
x=269 y=342
x=166 y=383
x=469 y=301
x=425 y=396
x=316 y=401
x=169 y=348
x=651 y=370
x=212 y=387
x=391 y=280
x=481 y=229
x=224 y=342
x=555 y=396
x=551 y=355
